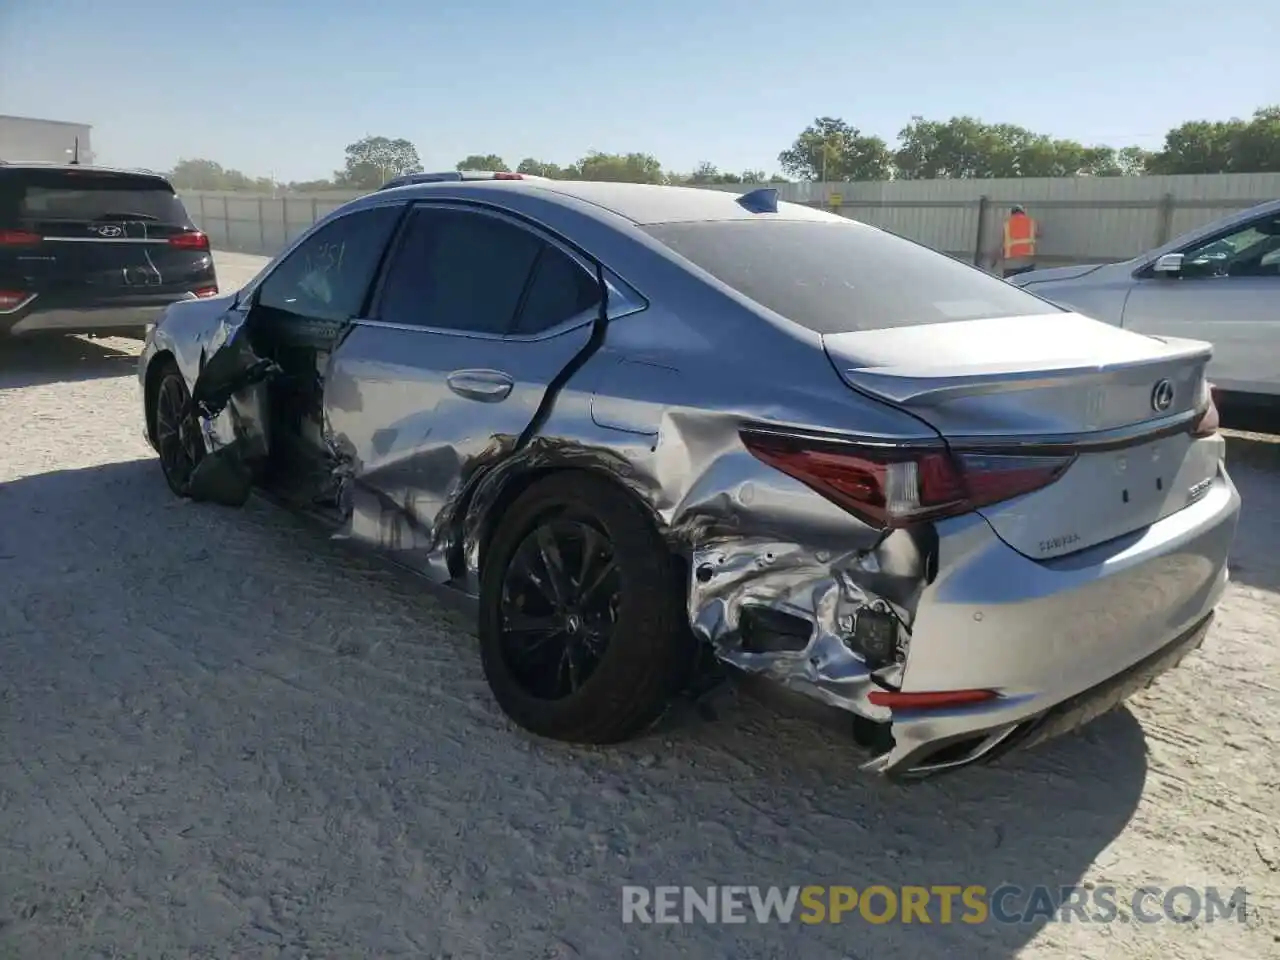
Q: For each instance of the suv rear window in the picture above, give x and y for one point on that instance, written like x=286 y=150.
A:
x=842 y=277
x=44 y=195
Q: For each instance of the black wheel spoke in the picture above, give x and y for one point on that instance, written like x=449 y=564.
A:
x=539 y=645
x=594 y=551
x=591 y=591
x=571 y=667
x=553 y=563
x=521 y=622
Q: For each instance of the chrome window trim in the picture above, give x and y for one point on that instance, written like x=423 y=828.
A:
x=624 y=300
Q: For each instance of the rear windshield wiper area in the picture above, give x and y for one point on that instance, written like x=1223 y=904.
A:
x=124 y=215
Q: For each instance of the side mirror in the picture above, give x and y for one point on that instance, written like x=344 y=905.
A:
x=1169 y=265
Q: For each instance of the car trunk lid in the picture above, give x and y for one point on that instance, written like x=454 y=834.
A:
x=1119 y=404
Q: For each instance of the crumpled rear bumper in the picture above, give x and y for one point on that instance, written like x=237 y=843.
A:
x=1057 y=641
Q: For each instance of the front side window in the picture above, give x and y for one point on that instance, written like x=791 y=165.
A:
x=841 y=277
x=459 y=270
x=1250 y=251
x=327 y=276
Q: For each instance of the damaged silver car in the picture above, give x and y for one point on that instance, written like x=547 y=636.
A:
x=640 y=424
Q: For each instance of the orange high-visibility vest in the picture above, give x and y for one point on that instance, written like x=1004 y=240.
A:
x=1019 y=237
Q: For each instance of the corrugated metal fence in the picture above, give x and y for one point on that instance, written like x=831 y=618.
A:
x=1082 y=219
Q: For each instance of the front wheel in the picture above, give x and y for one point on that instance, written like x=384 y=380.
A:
x=583 y=630
x=178 y=439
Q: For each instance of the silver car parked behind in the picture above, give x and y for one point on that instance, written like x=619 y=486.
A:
x=1219 y=282
x=639 y=423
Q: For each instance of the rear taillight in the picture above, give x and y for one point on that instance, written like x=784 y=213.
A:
x=190 y=240
x=895 y=486
x=9 y=299
x=18 y=238
x=508 y=176
x=1209 y=420
x=932 y=700
x=203 y=292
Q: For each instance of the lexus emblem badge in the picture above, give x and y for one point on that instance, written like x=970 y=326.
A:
x=110 y=231
x=1162 y=396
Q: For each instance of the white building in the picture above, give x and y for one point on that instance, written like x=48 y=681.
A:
x=26 y=138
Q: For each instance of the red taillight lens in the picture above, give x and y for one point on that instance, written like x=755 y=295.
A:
x=12 y=298
x=508 y=176
x=1209 y=420
x=18 y=238
x=893 y=486
x=931 y=700
x=206 y=292
x=190 y=240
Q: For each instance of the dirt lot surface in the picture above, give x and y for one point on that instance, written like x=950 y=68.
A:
x=223 y=735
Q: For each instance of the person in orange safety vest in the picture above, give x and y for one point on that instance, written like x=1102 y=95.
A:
x=1018 y=244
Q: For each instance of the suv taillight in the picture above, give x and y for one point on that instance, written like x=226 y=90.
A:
x=18 y=238
x=1209 y=420
x=190 y=240
x=508 y=176
x=9 y=299
x=896 y=486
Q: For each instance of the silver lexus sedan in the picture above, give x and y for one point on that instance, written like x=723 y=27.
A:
x=637 y=425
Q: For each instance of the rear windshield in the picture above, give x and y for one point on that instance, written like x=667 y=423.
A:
x=842 y=277
x=43 y=195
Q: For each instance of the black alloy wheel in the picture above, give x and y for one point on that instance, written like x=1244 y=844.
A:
x=177 y=433
x=584 y=632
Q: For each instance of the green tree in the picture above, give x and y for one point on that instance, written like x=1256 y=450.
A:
x=1222 y=146
x=965 y=147
x=962 y=147
x=373 y=161
x=199 y=174
x=538 y=168
x=618 y=168
x=491 y=162
x=1256 y=145
x=310 y=186
x=1133 y=161
x=830 y=149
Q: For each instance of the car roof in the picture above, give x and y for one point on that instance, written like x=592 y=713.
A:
x=7 y=165
x=453 y=176
x=641 y=203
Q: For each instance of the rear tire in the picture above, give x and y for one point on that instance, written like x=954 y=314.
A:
x=595 y=653
x=178 y=439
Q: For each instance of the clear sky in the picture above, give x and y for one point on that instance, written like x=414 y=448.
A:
x=279 y=87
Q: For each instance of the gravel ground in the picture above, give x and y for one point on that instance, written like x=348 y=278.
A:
x=223 y=735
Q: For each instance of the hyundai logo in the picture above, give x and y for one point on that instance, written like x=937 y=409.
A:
x=1162 y=396
x=111 y=231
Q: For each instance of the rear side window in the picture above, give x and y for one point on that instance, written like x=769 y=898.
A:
x=842 y=277
x=458 y=270
x=42 y=196
x=559 y=290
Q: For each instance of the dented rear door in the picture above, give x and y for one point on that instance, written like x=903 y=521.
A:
x=477 y=317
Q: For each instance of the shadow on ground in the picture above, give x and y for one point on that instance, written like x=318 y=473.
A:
x=1254 y=465
x=37 y=360
x=533 y=832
